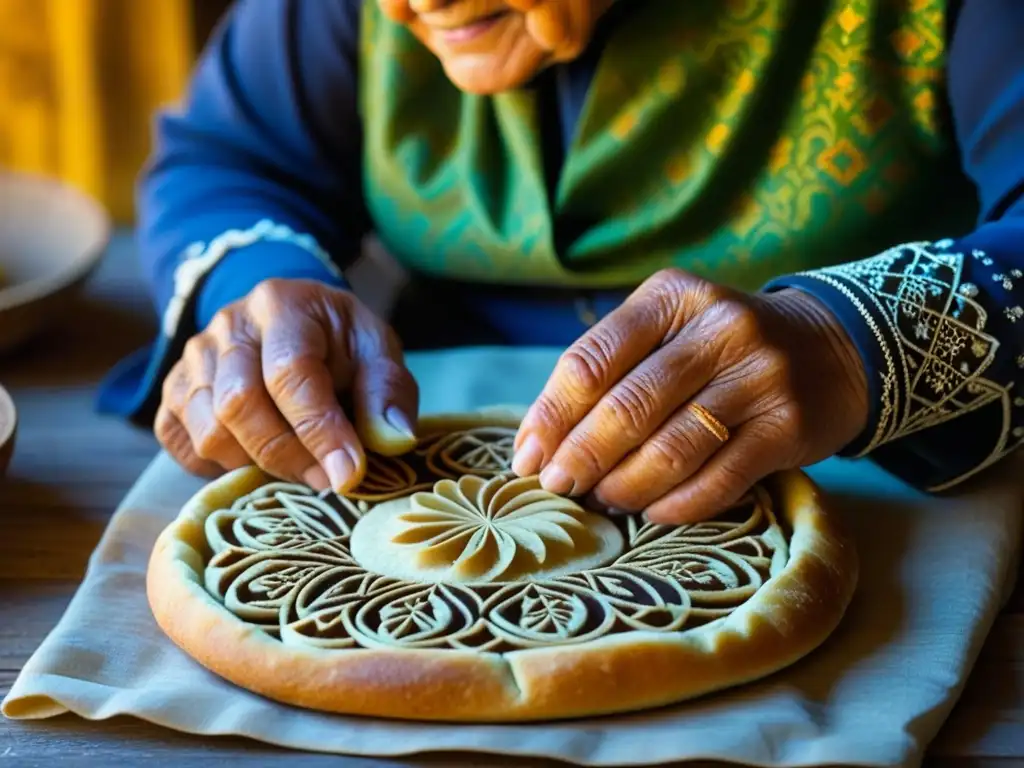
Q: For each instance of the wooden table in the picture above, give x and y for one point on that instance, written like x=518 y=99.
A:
x=71 y=467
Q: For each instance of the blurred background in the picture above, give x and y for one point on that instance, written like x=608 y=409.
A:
x=80 y=84
x=80 y=80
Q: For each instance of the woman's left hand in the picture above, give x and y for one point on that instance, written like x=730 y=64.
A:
x=617 y=417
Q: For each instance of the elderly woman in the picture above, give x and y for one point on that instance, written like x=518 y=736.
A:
x=765 y=232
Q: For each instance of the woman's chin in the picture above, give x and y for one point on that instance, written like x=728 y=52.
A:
x=478 y=80
x=486 y=74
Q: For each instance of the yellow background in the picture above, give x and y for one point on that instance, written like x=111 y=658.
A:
x=79 y=83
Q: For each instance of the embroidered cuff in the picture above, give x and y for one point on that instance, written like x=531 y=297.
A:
x=132 y=389
x=240 y=271
x=200 y=258
x=929 y=345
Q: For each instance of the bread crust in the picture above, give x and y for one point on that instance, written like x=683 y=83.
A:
x=786 y=619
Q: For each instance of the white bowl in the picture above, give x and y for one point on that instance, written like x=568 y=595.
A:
x=8 y=429
x=52 y=237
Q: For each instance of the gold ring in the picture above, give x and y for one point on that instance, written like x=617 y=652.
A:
x=710 y=423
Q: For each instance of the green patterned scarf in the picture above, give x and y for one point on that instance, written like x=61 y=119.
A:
x=738 y=139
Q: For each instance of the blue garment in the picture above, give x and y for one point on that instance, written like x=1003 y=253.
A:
x=270 y=130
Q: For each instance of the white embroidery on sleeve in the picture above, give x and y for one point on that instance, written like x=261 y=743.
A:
x=935 y=371
x=199 y=258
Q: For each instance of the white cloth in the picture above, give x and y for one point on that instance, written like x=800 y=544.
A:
x=935 y=572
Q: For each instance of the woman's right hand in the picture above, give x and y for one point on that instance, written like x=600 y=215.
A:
x=260 y=386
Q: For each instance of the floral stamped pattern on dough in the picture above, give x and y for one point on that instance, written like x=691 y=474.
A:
x=485 y=560
x=480 y=530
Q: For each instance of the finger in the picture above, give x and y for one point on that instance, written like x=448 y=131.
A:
x=295 y=372
x=385 y=395
x=174 y=439
x=722 y=481
x=170 y=430
x=589 y=368
x=230 y=330
x=243 y=405
x=632 y=411
x=211 y=440
x=673 y=454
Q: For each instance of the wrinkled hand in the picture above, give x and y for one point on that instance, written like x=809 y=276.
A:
x=260 y=386
x=775 y=369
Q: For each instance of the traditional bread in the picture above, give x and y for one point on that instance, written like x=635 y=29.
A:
x=446 y=588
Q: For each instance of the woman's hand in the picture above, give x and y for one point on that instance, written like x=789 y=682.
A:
x=616 y=418
x=260 y=386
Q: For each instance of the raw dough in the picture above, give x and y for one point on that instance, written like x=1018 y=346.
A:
x=446 y=588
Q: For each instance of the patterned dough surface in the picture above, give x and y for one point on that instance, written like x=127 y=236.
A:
x=444 y=560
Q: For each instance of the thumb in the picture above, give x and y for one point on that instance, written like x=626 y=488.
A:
x=385 y=396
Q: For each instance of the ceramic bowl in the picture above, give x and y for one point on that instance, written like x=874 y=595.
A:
x=52 y=237
x=8 y=429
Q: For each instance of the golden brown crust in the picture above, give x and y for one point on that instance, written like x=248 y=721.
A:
x=786 y=619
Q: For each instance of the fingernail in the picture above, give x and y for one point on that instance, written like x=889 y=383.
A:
x=555 y=480
x=661 y=519
x=400 y=421
x=524 y=430
x=340 y=468
x=527 y=460
x=669 y=514
x=316 y=479
x=594 y=501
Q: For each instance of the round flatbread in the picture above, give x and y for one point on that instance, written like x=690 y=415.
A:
x=447 y=588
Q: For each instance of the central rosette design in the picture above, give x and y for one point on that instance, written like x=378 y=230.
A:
x=479 y=530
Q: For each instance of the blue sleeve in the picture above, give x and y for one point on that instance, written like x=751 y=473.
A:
x=266 y=146
x=940 y=325
x=257 y=174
